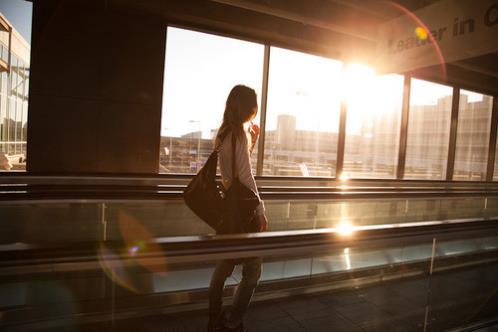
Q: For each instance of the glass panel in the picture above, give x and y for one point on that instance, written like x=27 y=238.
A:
x=304 y=97
x=428 y=130
x=19 y=121
x=56 y=222
x=373 y=124
x=379 y=285
x=200 y=71
x=474 y=125
x=11 y=119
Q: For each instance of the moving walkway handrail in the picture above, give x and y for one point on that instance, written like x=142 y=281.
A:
x=25 y=187
x=20 y=178
x=192 y=249
x=16 y=192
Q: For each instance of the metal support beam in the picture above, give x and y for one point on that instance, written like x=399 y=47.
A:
x=341 y=142
x=10 y=51
x=453 y=134
x=492 y=141
x=403 y=137
x=262 y=123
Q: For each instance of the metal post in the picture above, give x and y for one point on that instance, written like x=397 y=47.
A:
x=103 y=221
x=262 y=123
x=10 y=50
x=341 y=141
x=431 y=269
x=453 y=134
x=492 y=141
x=403 y=137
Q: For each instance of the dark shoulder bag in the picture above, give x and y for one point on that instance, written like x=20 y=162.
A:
x=239 y=204
x=227 y=212
x=203 y=194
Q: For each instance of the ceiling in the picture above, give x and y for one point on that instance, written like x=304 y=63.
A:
x=340 y=29
x=359 y=20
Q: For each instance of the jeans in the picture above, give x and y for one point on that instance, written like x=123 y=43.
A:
x=251 y=271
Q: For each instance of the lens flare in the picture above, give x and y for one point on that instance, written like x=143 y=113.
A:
x=139 y=241
x=422 y=29
x=124 y=264
x=421 y=33
x=116 y=268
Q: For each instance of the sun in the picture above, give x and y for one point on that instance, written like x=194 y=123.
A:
x=368 y=95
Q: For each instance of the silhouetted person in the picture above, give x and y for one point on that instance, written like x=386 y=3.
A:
x=241 y=107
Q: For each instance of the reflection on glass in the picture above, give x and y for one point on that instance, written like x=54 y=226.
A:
x=373 y=123
x=474 y=125
x=200 y=71
x=428 y=130
x=304 y=95
x=83 y=222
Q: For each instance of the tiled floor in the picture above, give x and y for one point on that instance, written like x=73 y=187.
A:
x=453 y=299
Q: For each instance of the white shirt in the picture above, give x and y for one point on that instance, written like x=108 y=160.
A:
x=242 y=165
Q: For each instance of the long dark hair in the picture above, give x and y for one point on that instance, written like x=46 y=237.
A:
x=239 y=108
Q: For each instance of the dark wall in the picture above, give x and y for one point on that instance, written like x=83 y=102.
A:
x=96 y=89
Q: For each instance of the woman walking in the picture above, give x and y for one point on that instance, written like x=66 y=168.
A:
x=241 y=108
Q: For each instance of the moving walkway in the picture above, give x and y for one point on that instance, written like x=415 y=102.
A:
x=83 y=251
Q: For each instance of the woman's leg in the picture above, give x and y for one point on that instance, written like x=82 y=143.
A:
x=222 y=271
x=251 y=272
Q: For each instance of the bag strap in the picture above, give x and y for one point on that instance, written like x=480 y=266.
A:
x=234 y=176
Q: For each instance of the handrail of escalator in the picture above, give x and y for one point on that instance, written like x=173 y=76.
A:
x=22 y=192
x=191 y=249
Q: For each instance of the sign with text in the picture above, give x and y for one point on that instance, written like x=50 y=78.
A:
x=447 y=31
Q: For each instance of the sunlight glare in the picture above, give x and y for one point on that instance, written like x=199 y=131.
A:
x=369 y=97
x=344 y=177
x=357 y=78
x=345 y=228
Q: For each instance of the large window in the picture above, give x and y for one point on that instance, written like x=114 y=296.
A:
x=373 y=123
x=200 y=71
x=304 y=97
x=14 y=77
x=474 y=125
x=303 y=109
x=428 y=130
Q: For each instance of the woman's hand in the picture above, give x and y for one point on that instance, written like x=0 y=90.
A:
x=254 y=131
x=261 y=222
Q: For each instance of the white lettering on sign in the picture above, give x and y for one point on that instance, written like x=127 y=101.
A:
x=447 y=31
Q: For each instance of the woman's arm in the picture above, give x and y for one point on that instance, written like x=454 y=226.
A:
x=243 y=165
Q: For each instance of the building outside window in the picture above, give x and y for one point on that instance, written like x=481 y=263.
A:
x=302 y=121
x=373 y=123
x=474 y=126
x=428 y=130
x=14 y=78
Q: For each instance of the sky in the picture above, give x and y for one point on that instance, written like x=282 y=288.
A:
x=19 y=14
x=200 y=70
